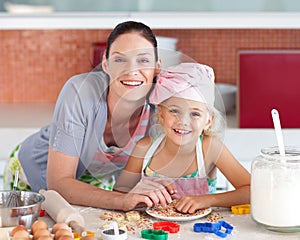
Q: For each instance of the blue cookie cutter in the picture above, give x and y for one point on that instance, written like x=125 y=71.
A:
x=221 y=228
x=206 y=227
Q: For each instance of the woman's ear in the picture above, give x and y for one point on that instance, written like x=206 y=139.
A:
x=158 y=67
x=104 y=62
x=160 y=115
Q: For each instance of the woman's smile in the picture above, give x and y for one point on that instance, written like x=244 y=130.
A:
x=132 y=83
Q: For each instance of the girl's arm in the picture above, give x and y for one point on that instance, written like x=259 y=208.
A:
x=217 y=154
x=235 y=173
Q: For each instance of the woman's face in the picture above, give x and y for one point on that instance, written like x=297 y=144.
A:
x=183 y=120
x=131 y=66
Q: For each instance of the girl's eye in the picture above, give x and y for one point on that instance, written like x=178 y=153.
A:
x=195 y=114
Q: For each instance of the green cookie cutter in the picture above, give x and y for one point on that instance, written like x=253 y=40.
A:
x=154 y=234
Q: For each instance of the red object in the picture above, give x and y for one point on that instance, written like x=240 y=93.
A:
x=98 y=51
x=269 y=79
x=170 y=227
x=42 y=213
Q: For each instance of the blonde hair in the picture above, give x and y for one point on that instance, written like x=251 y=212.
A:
x=218 y=124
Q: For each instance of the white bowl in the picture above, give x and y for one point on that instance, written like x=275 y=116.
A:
x=166 y=43
x=225 y=96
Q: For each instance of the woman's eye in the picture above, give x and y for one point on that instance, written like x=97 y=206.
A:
x=143 y=61
x=174 y=111
x=119 y=59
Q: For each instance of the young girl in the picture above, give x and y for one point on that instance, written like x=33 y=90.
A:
x=185 y=156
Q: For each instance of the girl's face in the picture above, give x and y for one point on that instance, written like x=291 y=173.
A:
x=131 y=66
x=183 y=120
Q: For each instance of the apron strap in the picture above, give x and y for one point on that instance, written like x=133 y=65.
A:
x=200 y=159
x=199 y=155
x=152 y=150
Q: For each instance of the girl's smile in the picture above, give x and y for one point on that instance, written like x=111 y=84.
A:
x=181 y=132
x=183 y=120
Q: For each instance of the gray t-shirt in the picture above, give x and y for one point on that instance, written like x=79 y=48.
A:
x=76 y=129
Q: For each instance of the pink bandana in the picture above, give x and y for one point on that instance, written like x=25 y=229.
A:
x=191 y=81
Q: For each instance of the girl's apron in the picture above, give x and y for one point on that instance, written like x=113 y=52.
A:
x=197 y=185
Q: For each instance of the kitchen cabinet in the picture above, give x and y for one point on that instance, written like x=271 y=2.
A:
x=268 y=79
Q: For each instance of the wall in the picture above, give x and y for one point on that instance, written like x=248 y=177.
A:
x=36 y=63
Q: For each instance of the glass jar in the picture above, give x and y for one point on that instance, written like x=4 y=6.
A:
x=275 y=189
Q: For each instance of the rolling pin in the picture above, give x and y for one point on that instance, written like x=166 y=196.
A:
x=61 y=211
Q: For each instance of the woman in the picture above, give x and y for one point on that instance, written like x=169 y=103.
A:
x=97 y=120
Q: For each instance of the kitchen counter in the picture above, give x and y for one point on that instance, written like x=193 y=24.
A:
x=245 y=144
x=156 y=20
x=244 y=227
x=25 y=115
x=18 y=121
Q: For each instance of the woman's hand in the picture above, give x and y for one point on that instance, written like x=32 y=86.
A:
x=158 y=191
x=190 y=204
x=131 y=201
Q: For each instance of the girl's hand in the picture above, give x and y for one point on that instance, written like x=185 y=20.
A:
x=190 y=204
x=158 y=191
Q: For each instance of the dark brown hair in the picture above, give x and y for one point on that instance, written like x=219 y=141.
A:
x=128 y=27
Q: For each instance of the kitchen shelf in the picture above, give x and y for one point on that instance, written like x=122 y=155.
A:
x=156 y=20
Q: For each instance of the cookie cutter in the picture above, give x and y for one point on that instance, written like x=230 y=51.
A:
x=114 y=233
x=154 y=234
x=78 y=237
x=206 y=227
x=221 y=228
x=170 y=227
x=241 y=209
x=224 y=225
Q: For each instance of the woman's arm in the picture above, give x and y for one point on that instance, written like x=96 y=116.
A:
x=132 y=172
x=61 y=177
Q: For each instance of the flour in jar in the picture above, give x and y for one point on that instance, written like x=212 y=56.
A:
x=275 y=196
